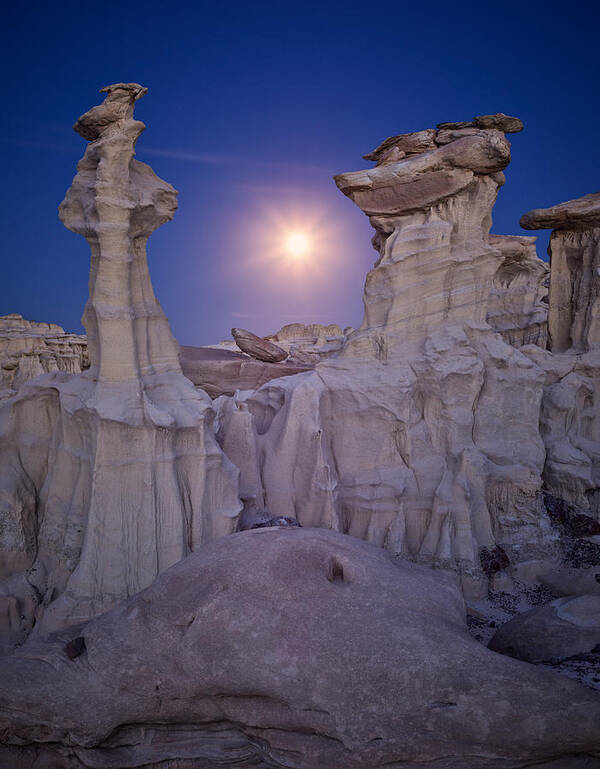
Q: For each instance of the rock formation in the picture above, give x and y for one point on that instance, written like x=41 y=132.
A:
x=574 y=316
x=570 y=416
x=288 y=648
x=421 y=435
x=28 y=349
x=111 y=476
x=441 y=430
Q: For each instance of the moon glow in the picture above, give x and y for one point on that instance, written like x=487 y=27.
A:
x=297 y=244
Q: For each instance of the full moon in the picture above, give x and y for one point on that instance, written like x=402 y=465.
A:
x=297 y=244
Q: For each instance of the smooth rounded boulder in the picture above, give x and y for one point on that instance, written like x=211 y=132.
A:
x=299 y=648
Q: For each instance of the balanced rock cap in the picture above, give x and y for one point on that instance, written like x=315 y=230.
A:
x=118 y=105
x=577 y=214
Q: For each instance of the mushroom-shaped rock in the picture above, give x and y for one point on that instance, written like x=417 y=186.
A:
x=258 y=348
x=290 y=647
x=574 y=299
x=112 y=475
x=420 y=181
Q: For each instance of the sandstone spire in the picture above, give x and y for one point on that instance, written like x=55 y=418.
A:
x=116 y=202
x=114 y=474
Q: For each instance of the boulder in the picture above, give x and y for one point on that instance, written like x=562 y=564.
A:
x=563 y=628
x=258 y=348
x=287 y=647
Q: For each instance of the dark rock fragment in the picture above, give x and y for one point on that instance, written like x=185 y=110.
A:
x=75 y=648
x=493 y=560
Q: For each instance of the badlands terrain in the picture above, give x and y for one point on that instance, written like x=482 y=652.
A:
x=329 y=548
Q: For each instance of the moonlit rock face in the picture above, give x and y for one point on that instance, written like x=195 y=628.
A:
x=421 y=434
x=287 y=647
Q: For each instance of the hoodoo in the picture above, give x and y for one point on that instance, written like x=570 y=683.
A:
x=113 y=475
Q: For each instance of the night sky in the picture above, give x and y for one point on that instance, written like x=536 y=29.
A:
x=252 y=107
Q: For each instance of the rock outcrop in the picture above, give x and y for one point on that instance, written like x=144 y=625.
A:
x=111 y=476
x=29 y=348
x=421 y=435
x=288 y=647
x=570 y=417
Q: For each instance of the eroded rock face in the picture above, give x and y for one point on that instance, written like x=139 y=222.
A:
x=29 y=348
x=421 y=435
x=518 y=307
x=111 y=476
x=288 y=647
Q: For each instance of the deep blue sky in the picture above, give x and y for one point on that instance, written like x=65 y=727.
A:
x=252 y=107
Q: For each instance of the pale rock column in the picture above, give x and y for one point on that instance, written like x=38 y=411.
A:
x=574 y=310
x=570 y=417
x=111 y=476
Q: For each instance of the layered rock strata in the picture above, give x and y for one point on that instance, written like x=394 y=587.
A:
x=29 y=348
x=421 y=435
x=111 y=476
x=288 y=647
x=570 y=417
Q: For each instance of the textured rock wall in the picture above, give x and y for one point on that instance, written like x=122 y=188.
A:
x=28 y=349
